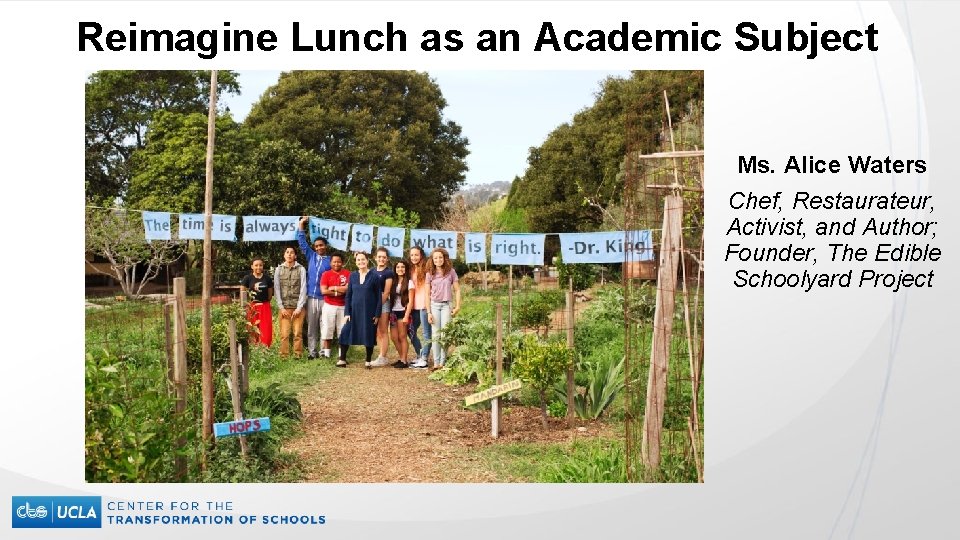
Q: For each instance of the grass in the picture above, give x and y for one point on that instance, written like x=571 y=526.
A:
x=540 y=462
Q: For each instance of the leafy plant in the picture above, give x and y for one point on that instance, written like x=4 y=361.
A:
x=131 y=432
x=472 y=358
x=602 y=461
x=219 y=331
x=539 y=364
x=605 y=381
x=584 y=275
x=533 y=311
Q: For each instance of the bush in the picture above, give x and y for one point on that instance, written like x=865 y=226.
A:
x=584 y=275
x=533 y=310
x=472 y=335
x=539 y=364
x=219 y=334
x=131 y=431
x=603 y=385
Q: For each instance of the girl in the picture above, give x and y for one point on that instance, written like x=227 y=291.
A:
x=361 y=310
x=444 y=286
x=421 y=307
x=401 y=300
x=259 y=314
x=385 y=275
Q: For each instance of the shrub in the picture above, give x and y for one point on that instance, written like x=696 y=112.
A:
x=533 y=311
x=131 y=431
x=219 y=334
x=584 y=275
x=604 y=383
x=472 y=336
x=539 y=364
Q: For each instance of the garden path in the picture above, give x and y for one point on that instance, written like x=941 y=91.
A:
x=396 y=425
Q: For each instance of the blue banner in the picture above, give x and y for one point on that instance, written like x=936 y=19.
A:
x=525 y=249
x=336 y=233
x=361 y=239
x=224 y=227
x=476 y=248
x=430 y=240
x=392 y=239
x=156 y=225
x=270 y=228
x=606 y=247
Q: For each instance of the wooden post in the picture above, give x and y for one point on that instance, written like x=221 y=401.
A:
x=168 y=341
x=495 y=410
x=180 y=361
x=207 y=356
x=510 y=300
x=570 y=385
x=242 y=351
x=235 y=383
x=662 y=330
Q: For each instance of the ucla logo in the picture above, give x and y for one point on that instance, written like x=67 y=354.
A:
x=55 y=512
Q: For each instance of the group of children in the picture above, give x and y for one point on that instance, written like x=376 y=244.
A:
x=370 y=307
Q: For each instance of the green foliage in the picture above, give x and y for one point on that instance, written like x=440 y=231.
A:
x=604 y=381
x=557 y=408
x=539 y=364
x=533 y=310
x=169 y=172
x=219 y=332
x=584 y=275
x=273 y=401
x=119 y=107
x=130 y=429
x=381 y=133
x=472 y=335
x=593 y=462
x=582 y=159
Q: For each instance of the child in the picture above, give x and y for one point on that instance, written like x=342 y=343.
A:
x=290 y=284
x=401 y=301
x=259 y=315
x=421 y=307
x=333 y=285
x=385 y=275
x=444 y=286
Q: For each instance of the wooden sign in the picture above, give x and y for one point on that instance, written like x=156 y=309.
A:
x=493 y=392
x=241 y=427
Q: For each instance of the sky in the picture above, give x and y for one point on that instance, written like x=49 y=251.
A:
x=502 y=113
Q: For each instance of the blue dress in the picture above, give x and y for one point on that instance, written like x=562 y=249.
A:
x=362 y=304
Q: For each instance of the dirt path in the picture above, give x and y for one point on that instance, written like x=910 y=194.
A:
x=395 y=425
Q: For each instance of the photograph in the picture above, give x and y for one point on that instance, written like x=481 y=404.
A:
x=394 y=276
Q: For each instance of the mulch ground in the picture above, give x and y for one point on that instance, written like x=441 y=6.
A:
x=395 y=425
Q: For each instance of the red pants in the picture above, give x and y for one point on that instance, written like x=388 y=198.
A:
x=261 y=318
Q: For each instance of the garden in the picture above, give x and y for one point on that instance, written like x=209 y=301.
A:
x=359 y=425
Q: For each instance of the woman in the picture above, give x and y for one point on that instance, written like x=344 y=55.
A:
x=361 y=310
x=421 y=308
x=444 y=287
x=401 y=302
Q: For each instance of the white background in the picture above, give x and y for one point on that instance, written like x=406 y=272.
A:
x=828 y=414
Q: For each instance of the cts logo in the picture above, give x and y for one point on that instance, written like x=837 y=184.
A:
x=55 y=512
x=24 y=511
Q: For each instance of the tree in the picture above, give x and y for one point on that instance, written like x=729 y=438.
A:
x=577 y=171
x=119 y=106
x=134 y=261
x=169 y=172
x=382 y=133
